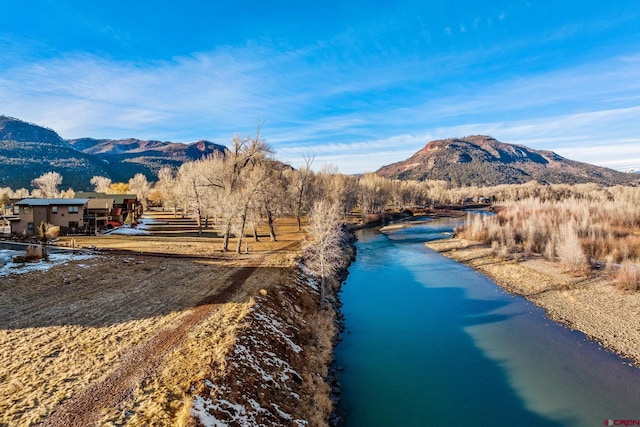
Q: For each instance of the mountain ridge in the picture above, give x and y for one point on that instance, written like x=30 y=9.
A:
x=483 y=160
x=28 y=150
x=12 y=129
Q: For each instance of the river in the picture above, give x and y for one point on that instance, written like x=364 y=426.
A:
x=430 y=342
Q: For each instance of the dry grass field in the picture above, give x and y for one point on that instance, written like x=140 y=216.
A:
x=181 y=238
x=118 y=338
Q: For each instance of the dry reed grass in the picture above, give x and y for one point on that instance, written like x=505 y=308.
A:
x=628 y=276
x=580 y=232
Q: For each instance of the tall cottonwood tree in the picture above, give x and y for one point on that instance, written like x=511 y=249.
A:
x=101 y=184
x=192 y=185
x=300 y=182
x=141 y=188
x=323 y=252
x=230 y=176
x=271 y=193
x=47 y=184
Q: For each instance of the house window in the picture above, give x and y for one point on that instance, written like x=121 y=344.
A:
x=54 y=209
x=16 y=210
x=30 y=226
x=26 y=210
x=73 y=209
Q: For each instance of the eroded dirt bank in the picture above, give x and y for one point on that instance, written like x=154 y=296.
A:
x=591 y=305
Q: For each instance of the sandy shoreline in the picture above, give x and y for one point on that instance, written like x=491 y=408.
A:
x=591 y=305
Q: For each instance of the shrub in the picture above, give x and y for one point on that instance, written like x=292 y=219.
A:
x=550 y=250
x=570 y=250
x=628 y=276
x=34 y=254
x=372 y=218
x=53 y=232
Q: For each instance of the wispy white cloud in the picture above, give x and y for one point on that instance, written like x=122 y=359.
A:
x=80 y=95
x=351 y=114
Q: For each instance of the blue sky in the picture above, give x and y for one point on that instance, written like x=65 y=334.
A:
x=358 y=84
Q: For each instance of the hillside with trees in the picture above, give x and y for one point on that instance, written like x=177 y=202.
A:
x=127 y=157
x=28 y=151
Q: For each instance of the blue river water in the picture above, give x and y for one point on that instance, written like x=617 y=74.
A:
x=430 y=342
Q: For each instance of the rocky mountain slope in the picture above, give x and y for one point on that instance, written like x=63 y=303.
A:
x=130 y=156
x=482 y=160
x=28 y=150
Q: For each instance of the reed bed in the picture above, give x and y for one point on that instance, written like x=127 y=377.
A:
x=591 y=228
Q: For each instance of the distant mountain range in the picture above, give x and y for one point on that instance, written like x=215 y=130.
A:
x=482 y=160
x=28 y=150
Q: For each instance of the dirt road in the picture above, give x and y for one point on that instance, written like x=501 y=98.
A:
x=78 y=339
x=86 y=407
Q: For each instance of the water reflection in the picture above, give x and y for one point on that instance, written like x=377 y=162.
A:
x=431 y=342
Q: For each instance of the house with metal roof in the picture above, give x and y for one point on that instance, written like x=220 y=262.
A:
x=68 y=214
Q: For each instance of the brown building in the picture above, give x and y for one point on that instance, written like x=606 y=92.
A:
x=68 y=214
x=98 y=214
x=122 y=205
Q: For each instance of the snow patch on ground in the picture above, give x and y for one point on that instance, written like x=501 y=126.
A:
x=7 y=266
x=260 y=376
x=307 y=278
x=234 y=414
x=129 y=231
x=277 y=328
x=146 y=223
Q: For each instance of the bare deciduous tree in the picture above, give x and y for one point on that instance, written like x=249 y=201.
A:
x=69 y=193
x=141 y=188
x=191 y=183
x=271 y=193
x=231 y=176
x=47 y=184
x=323 y=251
x=374 y=192
x=339 y=188
x=166 y=185
x=299 y=183
x=21 y=193
x=101 y=184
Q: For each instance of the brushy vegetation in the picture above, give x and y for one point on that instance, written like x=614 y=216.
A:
x=33 y=254
x=581 y=227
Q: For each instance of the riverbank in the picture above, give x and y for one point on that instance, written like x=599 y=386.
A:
x=591 y=304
